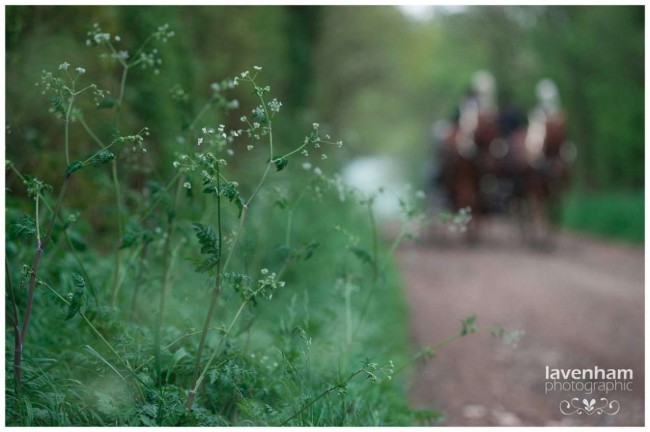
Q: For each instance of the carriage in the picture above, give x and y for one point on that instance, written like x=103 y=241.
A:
x=491 y=161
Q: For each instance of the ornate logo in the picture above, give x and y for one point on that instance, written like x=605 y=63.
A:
x=589 y=407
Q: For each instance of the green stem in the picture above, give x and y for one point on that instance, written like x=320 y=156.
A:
x=198 y=379
x=259 y=185
x=80 y=264
x=118 y=197
x=124 y=362
x=377 y=271
x=171 y=344
x=431 y=349
x=138 y=282
x=90 y=132
x=217 y=286
x=67 y=127
x=167 y=266
x=322 y=395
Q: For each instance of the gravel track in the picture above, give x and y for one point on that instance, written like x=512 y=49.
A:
x=581 y=305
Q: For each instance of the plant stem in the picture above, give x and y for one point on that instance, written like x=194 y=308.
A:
x=217 y=286
x=17 y=342
x=322 y=395
x=167 y=264
x=67 y=127
x=80 y=264
x=198 y=379
x=377 y=270
x=98 y=333
x=118 y=197
x=40 y=246
x=138 y=281
x=90 y=132
x=431 y=349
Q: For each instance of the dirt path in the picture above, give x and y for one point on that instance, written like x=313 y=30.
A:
x=581 y=306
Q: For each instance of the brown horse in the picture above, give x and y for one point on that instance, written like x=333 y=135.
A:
x=466 y=157
x=542 y=157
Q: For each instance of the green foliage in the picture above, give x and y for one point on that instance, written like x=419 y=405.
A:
x=24 y=227
x=615 y=215
x=468 y=325
x=78 y=299
x=280 y=163
x=210 y=246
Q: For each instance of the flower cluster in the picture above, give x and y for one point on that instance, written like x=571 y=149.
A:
x=145 y=57
x=136 y=140
x=267 y=285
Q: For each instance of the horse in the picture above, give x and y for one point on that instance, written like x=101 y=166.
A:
x=466 y=156
x=542 y=157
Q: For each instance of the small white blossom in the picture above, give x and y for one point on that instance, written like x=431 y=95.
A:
x=306 y=166
x=64 y=66
x=199 y=141
x=264 y=271
x=257 y=68
x=318 y=171
x=315 y=125
x=81 y=70
x=187 y=185
x=275 y=105
x=259 y=111
x=249 y=147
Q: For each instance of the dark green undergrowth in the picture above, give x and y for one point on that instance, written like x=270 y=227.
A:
x=282 y=354
x=613 y=215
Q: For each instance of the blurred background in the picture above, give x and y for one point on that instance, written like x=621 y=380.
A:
x=378 y=76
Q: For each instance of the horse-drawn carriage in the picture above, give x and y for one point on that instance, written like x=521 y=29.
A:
x=492 y=162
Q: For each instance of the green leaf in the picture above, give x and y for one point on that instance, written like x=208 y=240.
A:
x=209 y=241
x=24 y=227
x=73 y=167
x=468 y=325
x=229 y=190
x=101 y=157
x=362 y=254
x=129 y=238
x=280 y=163
x=57 y=104
x=79 y=296
x=106 y=103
